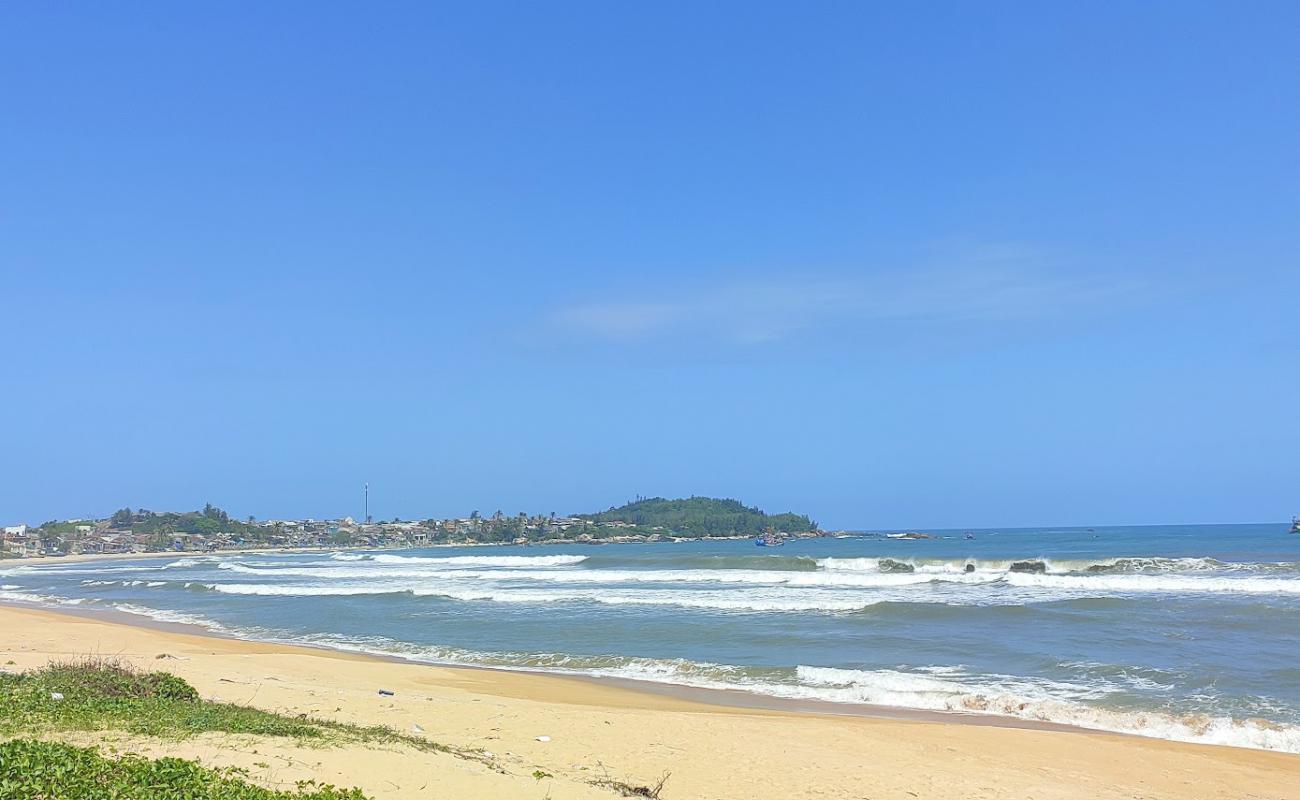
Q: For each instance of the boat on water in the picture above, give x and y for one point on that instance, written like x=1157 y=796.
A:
x=1295 y=524
x=770 y=538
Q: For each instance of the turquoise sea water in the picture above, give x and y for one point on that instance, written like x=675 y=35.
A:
x=1182 y=632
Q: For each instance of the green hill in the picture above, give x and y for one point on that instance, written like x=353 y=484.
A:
x=701 y=516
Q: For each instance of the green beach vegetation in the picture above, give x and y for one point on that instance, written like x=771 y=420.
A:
x=95 y=694
x=100 y=695
x=32 y=769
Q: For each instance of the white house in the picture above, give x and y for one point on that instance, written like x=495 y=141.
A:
x=15 y=530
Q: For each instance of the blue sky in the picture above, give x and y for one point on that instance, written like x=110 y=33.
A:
x=944 y=265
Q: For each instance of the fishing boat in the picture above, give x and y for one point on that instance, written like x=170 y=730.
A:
x=770 y=538
x=1295 y=524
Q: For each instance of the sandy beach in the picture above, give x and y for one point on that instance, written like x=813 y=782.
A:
x=573 y=732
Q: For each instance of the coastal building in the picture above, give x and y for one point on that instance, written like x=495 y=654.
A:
x=19 y=541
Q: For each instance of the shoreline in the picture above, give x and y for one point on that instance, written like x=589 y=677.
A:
x=719 y=694
x=714 y=697
x=572 y=728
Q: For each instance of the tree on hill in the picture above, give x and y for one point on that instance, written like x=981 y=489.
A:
x=212 y=512
x=701 y=516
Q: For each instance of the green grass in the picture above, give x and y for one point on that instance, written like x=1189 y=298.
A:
x=104 y=694
x=34 y=770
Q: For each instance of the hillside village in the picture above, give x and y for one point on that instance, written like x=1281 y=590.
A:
x=212 y=529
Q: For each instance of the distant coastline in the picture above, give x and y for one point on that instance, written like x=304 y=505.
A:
x=69 y=558
x=141 y=531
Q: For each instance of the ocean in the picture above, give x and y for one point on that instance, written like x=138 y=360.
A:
x=1189 y=633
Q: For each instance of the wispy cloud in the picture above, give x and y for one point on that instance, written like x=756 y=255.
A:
x=990 y=291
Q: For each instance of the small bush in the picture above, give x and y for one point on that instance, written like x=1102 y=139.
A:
x=166 y=686
x=108 y=678
x=99 y=694
x=31 y=769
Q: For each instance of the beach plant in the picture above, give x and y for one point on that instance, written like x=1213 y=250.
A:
x=37 y=770
x=101 y=694
x=626 y=789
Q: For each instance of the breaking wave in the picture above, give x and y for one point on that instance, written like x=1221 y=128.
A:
x=12 y=595
x=1039 y=700
x=481 y=561
x=1167 y=584
x=424 y=577
x=947 y=689
x=719 y=562
x=757 y=601
x=1135 y=565
x=163 y=615
x=605 y=575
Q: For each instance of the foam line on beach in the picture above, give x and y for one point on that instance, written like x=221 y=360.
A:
x=938 y=688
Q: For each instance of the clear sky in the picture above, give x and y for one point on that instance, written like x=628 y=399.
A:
x=930 y=264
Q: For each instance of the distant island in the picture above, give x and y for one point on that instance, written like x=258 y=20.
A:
x=700 y=517
x=211 y=529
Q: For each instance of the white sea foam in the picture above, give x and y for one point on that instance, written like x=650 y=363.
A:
x=1040 y=700
x=482 y=561
x=163 y=615
x=187 y=562
x=89 y=568
x=290 y=590
x=1165 y=584
x=1032 y=565
x=422 y=575
x=937 y=689
x=150 y=584
x=608 y=576
x=756 y=600
x=13 y=595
